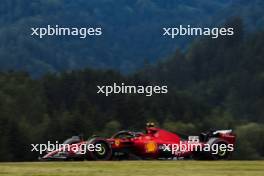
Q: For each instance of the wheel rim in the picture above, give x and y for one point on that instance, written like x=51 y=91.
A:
x=221 y=152
x=102 y=151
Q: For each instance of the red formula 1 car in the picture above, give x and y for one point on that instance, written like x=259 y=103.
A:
x=155 y=143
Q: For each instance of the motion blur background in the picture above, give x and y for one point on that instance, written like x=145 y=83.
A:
x=48 y=86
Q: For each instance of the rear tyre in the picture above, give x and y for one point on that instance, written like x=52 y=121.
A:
x=219 y=153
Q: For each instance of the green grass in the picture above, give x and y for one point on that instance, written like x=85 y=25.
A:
x=134 y=168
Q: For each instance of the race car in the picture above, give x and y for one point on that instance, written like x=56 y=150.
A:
x=154 y=143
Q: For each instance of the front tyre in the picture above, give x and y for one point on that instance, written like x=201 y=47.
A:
x=102 y=150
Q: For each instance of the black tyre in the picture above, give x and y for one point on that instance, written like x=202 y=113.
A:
x=219 y=154
x=105 y=152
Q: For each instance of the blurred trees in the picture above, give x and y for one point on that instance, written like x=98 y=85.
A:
x=132 y=31
x=250 y=142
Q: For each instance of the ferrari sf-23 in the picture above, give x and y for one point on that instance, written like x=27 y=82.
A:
x=154 y=143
